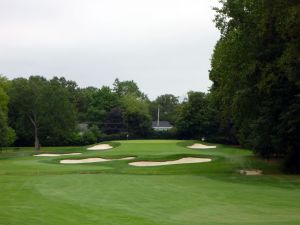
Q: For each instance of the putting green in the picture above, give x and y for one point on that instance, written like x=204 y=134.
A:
x=40 y=190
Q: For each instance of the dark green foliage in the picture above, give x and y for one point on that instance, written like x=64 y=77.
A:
x=85 y=98
x=196 y=119
x=114 y=121
x=138 y=123
x=40 y=110
x=128 y=87
x=167 y=104
x=102 y=102
x=136 y=115
x=89 y=138
x=123 y=109
x=7 y=134
x=255 y=74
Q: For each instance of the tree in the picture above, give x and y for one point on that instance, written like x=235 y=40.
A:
x=167 y=104
x=136 y=115
x=85 y=98
x=70 y=86
x=42 y=105
x=255 y=74
x=128 y=87
x=114 y=121
x=102 y=102
x=195 y=118
x=60 y=113
x=7 y=136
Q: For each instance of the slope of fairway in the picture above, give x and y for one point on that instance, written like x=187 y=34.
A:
x=40 y=191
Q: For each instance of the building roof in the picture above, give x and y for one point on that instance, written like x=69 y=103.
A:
x=161 y=124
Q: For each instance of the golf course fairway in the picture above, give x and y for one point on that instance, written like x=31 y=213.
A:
x=41 y=191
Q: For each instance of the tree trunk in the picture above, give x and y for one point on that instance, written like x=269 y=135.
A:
x=36 y=136
x=36 y=139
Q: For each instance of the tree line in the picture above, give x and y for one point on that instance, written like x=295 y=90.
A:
x=255 y=70
x=50 y=111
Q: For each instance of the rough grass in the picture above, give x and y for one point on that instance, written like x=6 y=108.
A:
x=40 y=191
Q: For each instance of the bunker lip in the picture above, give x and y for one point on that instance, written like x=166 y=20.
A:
x=251 y=172
x=186 y=160
x=201 y=146
x=56 y=154
x=100 y=147
x=91 y=160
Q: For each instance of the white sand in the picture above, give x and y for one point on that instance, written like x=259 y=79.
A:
x=91 y=160
x=251 y=172
x=201 y=146
x=126 y=158
x=51 y=155
x=100 y=147
x=179 y=161
x=88 y=160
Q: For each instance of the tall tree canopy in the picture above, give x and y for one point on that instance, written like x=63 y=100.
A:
x=40 y=110
x=102 y=102
x=137 y=118
x=196 y=119
x=85 y=100
x=255 y=73
x=128 y=87
x=167 y=105
x=7 y=134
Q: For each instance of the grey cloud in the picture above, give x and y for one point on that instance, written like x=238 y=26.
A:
x=163 y=45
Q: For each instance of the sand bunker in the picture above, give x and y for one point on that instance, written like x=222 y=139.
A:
x=126 y=158
x=51 y=155
x=179 y=161
x=201 y=146
x=100 y=147
x=251 y=172
x=91 y=160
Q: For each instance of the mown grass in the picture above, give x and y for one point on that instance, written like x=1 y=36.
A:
x=39 y=190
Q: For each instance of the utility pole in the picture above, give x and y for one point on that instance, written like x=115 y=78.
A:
x=158 y=116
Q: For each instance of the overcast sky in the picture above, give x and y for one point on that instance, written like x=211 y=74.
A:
x=164 y=45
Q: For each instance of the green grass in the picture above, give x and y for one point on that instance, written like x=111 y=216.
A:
x=40 y=191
